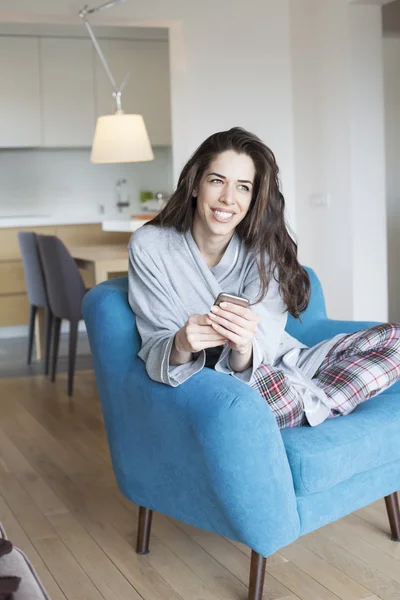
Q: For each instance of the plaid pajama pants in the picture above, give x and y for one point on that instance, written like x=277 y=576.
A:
x=359 y=366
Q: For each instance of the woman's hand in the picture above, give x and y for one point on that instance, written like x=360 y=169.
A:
x=197 y=334
x=237 y=324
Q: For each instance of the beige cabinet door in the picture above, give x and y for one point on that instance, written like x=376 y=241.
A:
x=148 y=89
x=67 y=92
x=20 y=118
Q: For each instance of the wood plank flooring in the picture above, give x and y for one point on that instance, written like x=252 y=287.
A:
x=13 y=354
x=60 y=504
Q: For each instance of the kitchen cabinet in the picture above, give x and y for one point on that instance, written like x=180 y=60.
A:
x=147 y=91
x=67 y=91
x=20 y=113
x=52 y=89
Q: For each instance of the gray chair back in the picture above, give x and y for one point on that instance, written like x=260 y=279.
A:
x=64 y=282
x=33 y=269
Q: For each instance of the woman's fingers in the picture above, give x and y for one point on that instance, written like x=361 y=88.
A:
x=198 y=320
x=243 y=332
x=204 y=336
x=229 y=335
x=209 y=336
x=219 y=320
x=240 y=311
x=212 y=330
x=200 y=330
x=247 y=322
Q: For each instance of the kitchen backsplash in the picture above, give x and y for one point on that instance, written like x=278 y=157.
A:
x=59 y=182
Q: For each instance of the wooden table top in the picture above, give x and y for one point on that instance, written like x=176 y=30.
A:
x=103 y=252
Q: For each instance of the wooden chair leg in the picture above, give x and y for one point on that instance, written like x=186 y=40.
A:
x=393 y=511
x=144 y=527
x=31 y=332
x=257 y=573
x=55 y=344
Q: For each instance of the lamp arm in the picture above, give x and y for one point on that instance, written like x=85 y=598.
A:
x=83 y=15
x=100 y=53
x=125 y=81
x=104 y=6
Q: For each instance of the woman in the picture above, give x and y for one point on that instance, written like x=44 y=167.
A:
x=223 y=230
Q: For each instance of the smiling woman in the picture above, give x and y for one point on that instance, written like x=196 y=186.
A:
x=223 y=230
x=222 y=200
x=242 y=158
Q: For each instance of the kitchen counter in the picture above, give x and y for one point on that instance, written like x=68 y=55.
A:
x=47 y=220
x=108 y=224
x=128 y=225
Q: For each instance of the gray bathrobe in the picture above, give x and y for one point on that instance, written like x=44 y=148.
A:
x=169 y=280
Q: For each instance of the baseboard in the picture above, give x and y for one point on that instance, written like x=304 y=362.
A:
x=21 y=331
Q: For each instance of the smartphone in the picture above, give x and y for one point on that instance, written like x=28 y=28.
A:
x=224 y=297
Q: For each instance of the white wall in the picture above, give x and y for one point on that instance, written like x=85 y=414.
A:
x=391 y=47
x=339 y=151
x=232 y=65
x=368 y=184
x=64 y=182
x=322 y=145
x=238 y=73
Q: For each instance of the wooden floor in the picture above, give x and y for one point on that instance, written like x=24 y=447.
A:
x=13 y=353
x=60 y=504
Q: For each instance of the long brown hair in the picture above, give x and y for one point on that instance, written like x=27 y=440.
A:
x=263 y=229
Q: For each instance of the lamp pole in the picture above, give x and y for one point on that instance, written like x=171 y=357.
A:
x=83 y=13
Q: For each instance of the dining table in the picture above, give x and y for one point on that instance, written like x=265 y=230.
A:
x=98 y=263
x=101 y=262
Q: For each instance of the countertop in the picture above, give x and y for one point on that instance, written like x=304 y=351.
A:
x=109 y=223
x=124 y=225
x=48 y=220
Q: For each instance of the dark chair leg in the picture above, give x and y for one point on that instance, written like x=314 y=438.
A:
x=257 y=573
x=49 y=326
x=31 y=332
x=73 y=341
x=393 y=511
x=55 y=344
x=144 y=527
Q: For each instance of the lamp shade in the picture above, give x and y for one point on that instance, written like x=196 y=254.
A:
x=121 y=138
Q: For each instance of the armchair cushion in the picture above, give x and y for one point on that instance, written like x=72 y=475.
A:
x=321 y=457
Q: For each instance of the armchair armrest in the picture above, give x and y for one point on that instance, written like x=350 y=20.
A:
x=208 y=453
x=322 y=329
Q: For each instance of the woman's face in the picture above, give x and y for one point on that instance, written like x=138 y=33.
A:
x=224 y=193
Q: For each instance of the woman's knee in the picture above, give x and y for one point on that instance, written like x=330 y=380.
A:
x=392 y=333
x=383 y=335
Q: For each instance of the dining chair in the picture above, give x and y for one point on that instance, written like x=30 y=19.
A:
x=66 y=290
x=36 y=290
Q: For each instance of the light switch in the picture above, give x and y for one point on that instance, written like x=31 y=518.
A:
x=320 y=200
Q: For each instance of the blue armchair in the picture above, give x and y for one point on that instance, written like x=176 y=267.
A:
x=209 y=452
